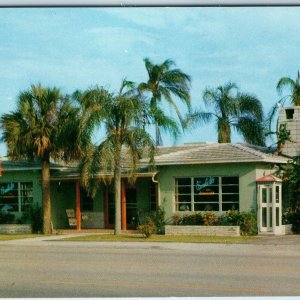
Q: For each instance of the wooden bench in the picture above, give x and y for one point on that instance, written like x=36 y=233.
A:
x=71 y=217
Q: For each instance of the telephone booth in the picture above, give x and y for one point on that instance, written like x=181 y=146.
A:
x=269 y=200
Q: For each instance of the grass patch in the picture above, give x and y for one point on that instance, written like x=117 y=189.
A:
x=9 y=237
x=159 y=238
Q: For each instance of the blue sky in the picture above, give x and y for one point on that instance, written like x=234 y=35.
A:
x=76 y=48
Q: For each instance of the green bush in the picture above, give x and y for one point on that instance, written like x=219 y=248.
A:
x=294 y=219
x=188 y=219
x=210 y=218
x=232 y=217
x=247 y=223
x=176 y=218
x=148 y=228
x=35 y=213
x=6 y=218
x=246 y=220
x=158 y=218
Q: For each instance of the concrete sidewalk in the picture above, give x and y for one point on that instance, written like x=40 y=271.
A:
x=265 y=240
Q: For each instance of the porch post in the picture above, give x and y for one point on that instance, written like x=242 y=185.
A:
x=123 y=206
x=78 y=212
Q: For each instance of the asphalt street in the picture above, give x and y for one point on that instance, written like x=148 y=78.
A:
x=45 y=268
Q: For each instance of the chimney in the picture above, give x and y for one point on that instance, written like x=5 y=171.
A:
x=290 y=116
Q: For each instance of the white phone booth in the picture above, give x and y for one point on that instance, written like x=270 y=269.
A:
x=269 y=200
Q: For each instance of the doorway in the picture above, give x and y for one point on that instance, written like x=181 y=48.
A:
x=131 y=207
x=269 y=208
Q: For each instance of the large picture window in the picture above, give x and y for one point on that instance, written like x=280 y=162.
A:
x=15 y=196
x=207 y=193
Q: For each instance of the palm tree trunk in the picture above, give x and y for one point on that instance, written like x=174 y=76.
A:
x=224 y=131
x=47 y=228
x=158 y=139
x=117 y=187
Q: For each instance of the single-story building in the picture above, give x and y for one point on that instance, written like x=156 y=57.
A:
x=188 y=178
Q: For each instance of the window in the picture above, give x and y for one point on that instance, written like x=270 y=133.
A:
x=289 y=113
x=153 y=196
x=207 y=193
x=15 y=196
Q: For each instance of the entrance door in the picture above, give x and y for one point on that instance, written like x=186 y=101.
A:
x=266 y=209
x=131 y=207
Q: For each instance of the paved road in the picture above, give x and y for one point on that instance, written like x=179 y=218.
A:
x=39 y=268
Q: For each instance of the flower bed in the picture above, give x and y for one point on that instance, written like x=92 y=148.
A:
x=15 y=229
x=232 y=223
x=202 y=230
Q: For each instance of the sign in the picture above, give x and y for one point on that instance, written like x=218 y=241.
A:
x=202 y=184
x=9 y=187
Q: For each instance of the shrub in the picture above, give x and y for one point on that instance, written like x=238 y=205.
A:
x=247 y=223
x=232 y=217
x=210 y=218
x=6 y=218
x=188 y=219
x=158 y=218
x=194 y=219
x=148 y=228
x=36 y=218
x=294 y=219
x=286 y=216
x=176 y=219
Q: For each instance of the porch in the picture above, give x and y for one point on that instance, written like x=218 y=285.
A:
x=97 y=214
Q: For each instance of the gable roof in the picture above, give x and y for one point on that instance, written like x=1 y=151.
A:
x=214 y=153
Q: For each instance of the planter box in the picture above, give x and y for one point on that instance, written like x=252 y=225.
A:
x=202 y=230
x=286 y=229
x=15 y=229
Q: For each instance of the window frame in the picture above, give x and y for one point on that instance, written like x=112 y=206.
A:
x=220 y=193
x=22 y=191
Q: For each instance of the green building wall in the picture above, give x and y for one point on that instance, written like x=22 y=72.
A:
x=63 y=193
x=245 y=171
x=25 y=176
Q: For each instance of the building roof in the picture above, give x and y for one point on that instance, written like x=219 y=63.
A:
x=16 y=165
x=269 y=178
x=175 y=155
x=214 y=153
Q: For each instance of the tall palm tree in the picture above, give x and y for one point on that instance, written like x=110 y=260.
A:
x=165 y=82
x=41 y=127
x=293 y=96
x=121 y=116
x=232 y=109
x=293 y=85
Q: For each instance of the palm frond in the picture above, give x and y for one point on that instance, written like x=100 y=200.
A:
x=197 y=118
x=252 y=130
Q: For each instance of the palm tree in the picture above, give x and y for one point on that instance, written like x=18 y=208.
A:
x=294 y=96
x=121 y=116
x=294 y=86
x=41 y=127
x=232 y=109
x=165 y=82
